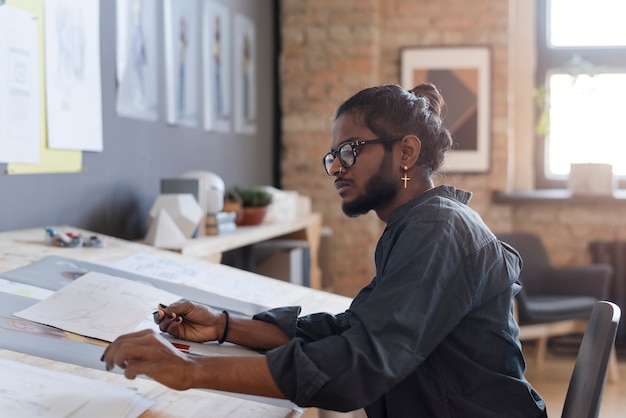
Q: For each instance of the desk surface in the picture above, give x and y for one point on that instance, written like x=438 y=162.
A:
x=20 y=248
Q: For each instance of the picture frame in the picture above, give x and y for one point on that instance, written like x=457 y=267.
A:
x=181 y=62
x=245 y=73
x=137 y=59
x=217 y=67
x=462 y=75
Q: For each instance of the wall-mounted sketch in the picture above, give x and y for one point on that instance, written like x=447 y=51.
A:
x=74 y=96
x=216 y=45
x=137 y=60
x=245 y=75
x=181 y=61
x=19 y=86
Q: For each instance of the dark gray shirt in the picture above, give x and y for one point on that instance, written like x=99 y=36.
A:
x=433 y=334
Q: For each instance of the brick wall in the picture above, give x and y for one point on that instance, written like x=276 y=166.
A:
x=332 y=49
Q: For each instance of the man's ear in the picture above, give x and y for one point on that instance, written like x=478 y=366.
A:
x=410 y=147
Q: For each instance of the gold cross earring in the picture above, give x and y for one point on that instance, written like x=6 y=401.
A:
x=406 y=178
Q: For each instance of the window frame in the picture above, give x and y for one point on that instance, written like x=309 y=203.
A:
x=550 y=58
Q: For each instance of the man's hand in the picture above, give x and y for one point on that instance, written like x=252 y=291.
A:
x=146 y=352
x=190 y=321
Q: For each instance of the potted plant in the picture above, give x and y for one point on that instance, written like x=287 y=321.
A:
x=254 y=203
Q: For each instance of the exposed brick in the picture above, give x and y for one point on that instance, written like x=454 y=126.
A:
x=333 y=48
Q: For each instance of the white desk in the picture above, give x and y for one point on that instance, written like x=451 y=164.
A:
x=306 y=227
x=20 y=248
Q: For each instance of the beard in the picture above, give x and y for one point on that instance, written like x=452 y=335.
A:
x=379 y=190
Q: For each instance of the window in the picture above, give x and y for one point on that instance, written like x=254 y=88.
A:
x=581 y=93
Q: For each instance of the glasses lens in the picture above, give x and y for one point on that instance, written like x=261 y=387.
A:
x=346 y=155
x=328 y=161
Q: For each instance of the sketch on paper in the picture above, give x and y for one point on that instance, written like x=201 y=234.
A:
x=181 y=61
x=19 y=87
x=30 y=391
x=98 y=305
x=216 y=46
x=73 y=80
x=137 y=60
x=245 y=75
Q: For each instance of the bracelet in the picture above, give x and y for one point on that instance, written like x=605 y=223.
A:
x=225 y=333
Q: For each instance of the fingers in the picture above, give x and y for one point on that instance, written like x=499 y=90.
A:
x=147 y=353
x=169 y=317
x=125 y=348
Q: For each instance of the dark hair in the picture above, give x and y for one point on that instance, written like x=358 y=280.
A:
x=390 y=111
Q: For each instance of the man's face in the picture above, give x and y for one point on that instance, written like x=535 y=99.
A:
x=370 y=183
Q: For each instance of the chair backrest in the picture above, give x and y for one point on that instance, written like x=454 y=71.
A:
x=534 y=257
x=587 y=383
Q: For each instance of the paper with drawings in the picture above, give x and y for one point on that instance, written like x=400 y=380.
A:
x=99 y=306
x=214 y=279
x=30 y=392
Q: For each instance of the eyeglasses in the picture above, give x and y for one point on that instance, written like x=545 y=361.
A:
x=347 y=152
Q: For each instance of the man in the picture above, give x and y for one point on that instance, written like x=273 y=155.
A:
x=432 y=335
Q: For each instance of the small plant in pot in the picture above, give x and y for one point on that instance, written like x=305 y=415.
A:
x=254 y=202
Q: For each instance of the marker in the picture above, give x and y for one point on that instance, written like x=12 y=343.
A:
x=186 y=348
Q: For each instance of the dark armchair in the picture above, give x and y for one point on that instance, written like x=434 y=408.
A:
x=555 y=300
x=551 y=293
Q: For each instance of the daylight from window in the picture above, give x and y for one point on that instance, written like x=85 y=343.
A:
x=586 y=103
x=587 y=121
x=587 y=22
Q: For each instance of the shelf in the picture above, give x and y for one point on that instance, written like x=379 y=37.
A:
x=557 y=196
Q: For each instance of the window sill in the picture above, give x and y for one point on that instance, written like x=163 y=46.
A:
x=556 y=196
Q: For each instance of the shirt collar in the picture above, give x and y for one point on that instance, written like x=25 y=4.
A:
x=460 y=195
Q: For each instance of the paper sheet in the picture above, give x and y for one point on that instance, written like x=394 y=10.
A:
x=237 y=286
x=19 y=87
x=99 y=306
x=21 y=289
x=32 y=392
x=73 y=79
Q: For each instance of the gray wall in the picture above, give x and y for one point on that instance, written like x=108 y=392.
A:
x=115 y=190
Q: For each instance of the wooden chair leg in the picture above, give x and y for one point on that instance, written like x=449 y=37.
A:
x=540 y=354
x=613 y=370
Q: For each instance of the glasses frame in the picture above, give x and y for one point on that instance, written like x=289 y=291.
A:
x=354 y=143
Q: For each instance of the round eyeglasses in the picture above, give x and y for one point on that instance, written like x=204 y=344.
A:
x=347 y=152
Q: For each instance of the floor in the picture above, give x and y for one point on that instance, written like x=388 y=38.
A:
x=550 y=381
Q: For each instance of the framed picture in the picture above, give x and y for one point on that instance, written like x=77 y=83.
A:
x=245 y=75
x=181 y=61
x=462 y=75
x=217 y=68
x=137 y=60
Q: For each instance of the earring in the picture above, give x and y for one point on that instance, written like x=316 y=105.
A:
x=340 y=170
x=406 y=178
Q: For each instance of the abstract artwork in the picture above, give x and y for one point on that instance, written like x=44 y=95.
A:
x=462 y=76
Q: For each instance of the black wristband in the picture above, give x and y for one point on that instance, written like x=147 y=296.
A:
x=225 y=333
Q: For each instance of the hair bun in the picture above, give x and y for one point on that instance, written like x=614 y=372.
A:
x=432 y=94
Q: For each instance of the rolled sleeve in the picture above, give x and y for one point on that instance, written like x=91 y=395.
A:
x=286 y=318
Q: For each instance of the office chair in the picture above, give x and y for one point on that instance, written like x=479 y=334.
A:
x=586 y=386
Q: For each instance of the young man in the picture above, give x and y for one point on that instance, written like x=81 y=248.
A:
x=432 y=335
